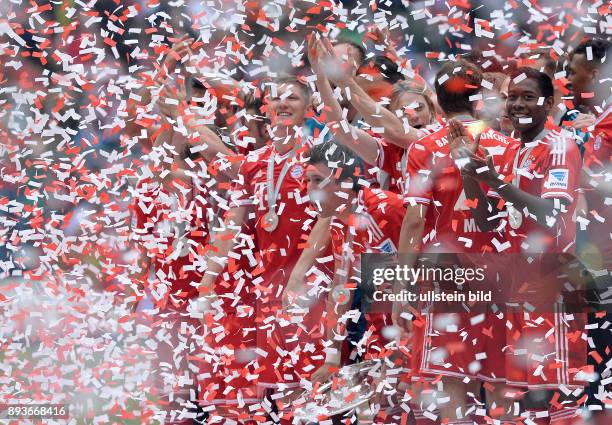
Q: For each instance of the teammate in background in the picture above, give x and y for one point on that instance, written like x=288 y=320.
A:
x=410 y=97
x=538 y=181
x=395 y=128
x=406 y=96
x=589 y=67
x=439 y=219
x=364 y=221
x=173 y=207
x=250 y=132
x=587 y=71
x=494 y=94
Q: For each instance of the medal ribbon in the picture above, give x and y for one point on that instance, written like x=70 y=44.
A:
x=273 y=190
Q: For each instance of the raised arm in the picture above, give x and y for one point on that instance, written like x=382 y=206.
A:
x=141 y=102
x=344 y=133
x=189 y=132
x=343 y=75
x=396 y=131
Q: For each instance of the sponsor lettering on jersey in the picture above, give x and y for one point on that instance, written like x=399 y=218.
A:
x=441 y=142
x=469 y=225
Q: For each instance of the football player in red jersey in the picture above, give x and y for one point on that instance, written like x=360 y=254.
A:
x=407 y=96
x=590 y=62
x=538 y=181
x=364 y=221
x=551 y=170
x=270 y=190
x=172 y=208
x=591 y=94
x=439 y=219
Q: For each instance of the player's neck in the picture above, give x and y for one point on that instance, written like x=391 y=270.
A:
x=530 y=136
x=589 y=107
x=285 y=145
x=285 y=140
x=350 y=207
x=465 y=115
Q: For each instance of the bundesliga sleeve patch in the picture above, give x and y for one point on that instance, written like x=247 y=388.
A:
x=387 y=247
x=557 y=179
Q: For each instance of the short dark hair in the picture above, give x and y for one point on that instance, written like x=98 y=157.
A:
x=544 y=82
x=336 y=156
x=388 y=69
x=197 y=84
x=358 y=47
x=599 y=48
x=251 y=101
x=460 y=80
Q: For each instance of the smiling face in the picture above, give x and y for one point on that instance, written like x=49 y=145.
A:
x=288 y=106
x=416 y=109
x=522 y=106
x=322 y=189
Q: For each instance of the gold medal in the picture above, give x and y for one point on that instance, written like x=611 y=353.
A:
x=270 y=221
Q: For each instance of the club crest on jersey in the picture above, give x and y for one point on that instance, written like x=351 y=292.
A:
x=527 y=164
x=387 y=247
x=557 y=179
x=297 y=171
x=597 y=143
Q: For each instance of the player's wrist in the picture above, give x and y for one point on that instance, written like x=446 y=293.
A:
x=496 y=183
x=205 y=288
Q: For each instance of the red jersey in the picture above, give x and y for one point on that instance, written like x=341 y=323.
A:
x=280 y=248
x=171 y=228
x=433 y=179
x=548 y=167
x=392 y=161
x=374 y=227
x=597 y=156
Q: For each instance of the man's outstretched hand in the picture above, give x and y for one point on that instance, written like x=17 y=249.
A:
x=462 y=145
x=482 y=170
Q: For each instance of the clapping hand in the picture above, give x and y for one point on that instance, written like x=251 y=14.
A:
x=383 y=37
x=176 y=54
x=324 y=61
x=482 y=170
x=172 y=100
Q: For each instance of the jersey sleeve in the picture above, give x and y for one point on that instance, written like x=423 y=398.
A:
x=561 y=176
x=418 y=187
x=241 y=191
x=387 y=156
x=144 y=209
x=337 y=239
